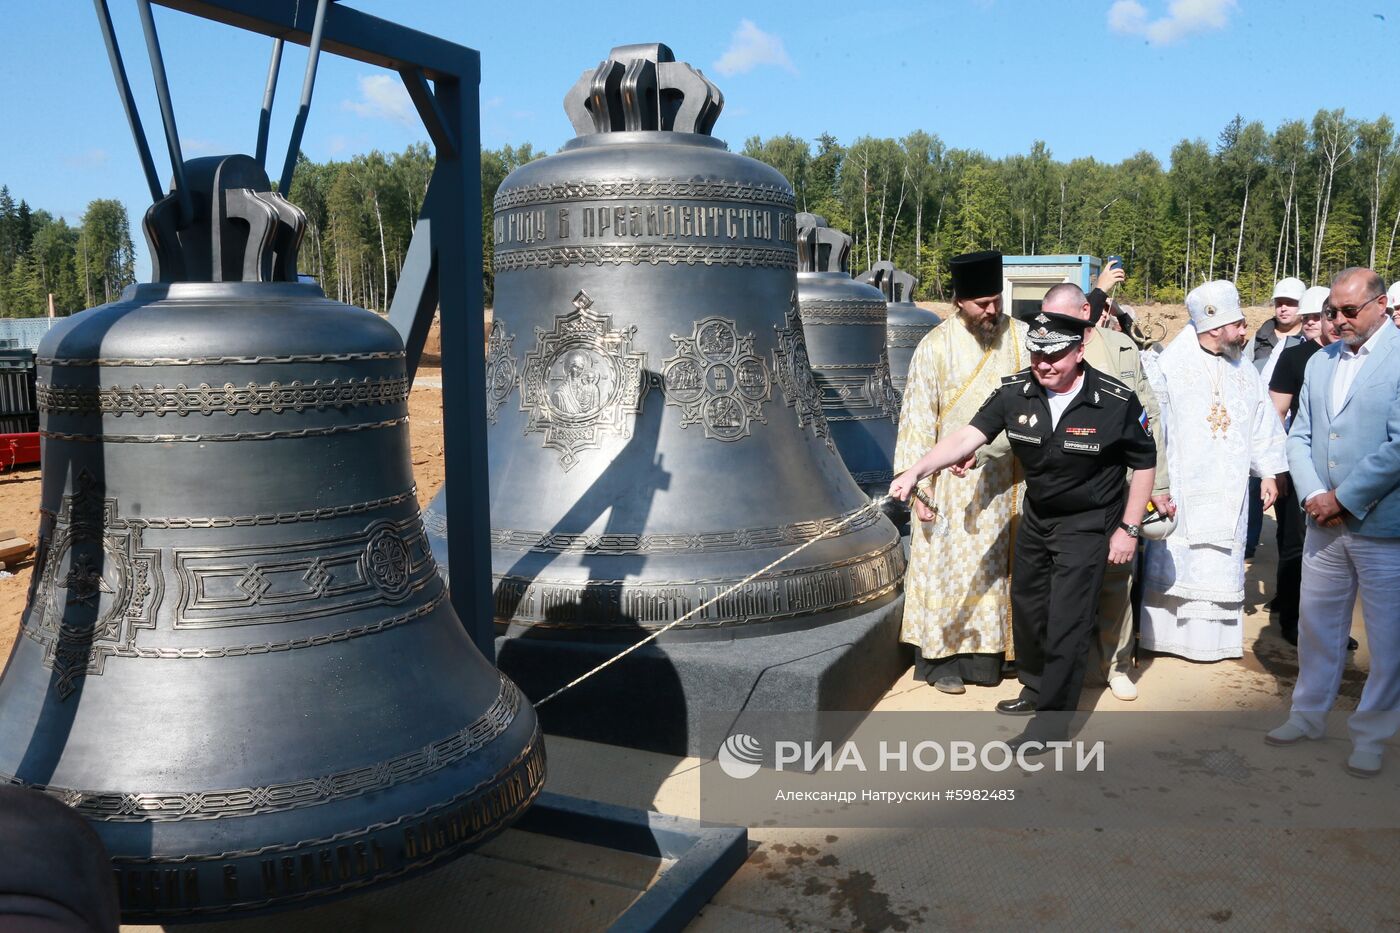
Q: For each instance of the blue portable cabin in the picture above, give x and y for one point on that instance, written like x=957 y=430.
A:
x=1026 y=279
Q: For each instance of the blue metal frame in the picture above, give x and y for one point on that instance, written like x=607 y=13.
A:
x=443 y=268
x=706 y=855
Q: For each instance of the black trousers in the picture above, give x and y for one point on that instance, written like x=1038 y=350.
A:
x=1056 y=577
x=1291 y=521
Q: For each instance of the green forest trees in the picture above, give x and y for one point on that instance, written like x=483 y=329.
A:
x=1307 y=199
x=41 y=255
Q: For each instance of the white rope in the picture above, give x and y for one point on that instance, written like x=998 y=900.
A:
x=708 y=603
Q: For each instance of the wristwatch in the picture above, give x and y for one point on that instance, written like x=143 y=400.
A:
x=1132 y=530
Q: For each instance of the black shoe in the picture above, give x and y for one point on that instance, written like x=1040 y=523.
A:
x=1017 y=707
x=1034 y=745
x=1290 y=636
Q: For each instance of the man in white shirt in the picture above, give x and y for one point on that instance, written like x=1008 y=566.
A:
x=1278 y=333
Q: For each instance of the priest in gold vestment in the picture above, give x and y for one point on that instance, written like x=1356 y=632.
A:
x=957 y=603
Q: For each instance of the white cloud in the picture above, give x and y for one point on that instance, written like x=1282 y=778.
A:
x=383 y=97
x=190 y=148
x=91 y=158
x=1184 y=18
x=750 y=48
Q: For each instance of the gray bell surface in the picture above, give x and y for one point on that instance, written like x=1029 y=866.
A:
x=845 y=324
x=906 y=322
x=655 y=434
x=238 y=660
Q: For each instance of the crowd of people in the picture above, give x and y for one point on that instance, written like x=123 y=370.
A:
x=1066 y=446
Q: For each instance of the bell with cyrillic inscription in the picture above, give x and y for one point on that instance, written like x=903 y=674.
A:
x=238 y=660
x=656 y=435
x=906 y=323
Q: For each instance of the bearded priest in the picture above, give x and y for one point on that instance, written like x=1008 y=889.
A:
x=1222 y=429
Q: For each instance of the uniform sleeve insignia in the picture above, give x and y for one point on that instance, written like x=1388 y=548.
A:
x=1145 y=422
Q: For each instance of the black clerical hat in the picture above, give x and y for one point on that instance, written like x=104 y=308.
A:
x=976 y=275
x=1050 y=332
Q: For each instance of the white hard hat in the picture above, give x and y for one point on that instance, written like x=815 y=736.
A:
x=1157 y=525
x=1313 y=300
x=1290 y=288
x=1392 y=297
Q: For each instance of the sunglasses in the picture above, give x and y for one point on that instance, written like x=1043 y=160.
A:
x=1332 y=312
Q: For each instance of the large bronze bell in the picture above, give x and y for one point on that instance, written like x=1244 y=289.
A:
x=845 y=324
x=238 y=659
x=906 y=323
x=656 y=434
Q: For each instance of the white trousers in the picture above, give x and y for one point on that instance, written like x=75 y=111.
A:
x=1338 y=564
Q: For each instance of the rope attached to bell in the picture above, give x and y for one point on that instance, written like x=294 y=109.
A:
x=877 y=503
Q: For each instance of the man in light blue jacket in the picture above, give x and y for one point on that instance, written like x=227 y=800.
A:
x=1344 y=457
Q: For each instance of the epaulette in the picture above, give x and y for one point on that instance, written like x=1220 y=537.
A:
x=1113 y=386
x=1016 y=378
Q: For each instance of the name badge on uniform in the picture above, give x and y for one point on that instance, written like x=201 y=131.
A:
x=1024 y=438
x=1081 y=447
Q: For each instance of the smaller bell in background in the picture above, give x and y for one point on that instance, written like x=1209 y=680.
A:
x=845 y=325
x=906 y=323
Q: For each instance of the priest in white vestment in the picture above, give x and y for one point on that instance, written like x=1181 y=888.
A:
x=1221 y=428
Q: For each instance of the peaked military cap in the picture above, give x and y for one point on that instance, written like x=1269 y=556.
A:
x=1050 y=332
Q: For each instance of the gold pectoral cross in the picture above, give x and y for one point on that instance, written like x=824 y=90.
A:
x=1218 y=419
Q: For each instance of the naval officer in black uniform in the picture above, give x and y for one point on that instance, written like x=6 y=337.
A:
x=1074 y=430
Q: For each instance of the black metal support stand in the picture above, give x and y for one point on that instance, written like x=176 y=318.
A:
x=443 y=267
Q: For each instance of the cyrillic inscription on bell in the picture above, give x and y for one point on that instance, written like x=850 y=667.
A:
x=238 y=660
x=666 y=438
x=845 y=325
x=906 y=323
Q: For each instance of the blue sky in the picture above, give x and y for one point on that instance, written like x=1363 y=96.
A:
x=1091 y=77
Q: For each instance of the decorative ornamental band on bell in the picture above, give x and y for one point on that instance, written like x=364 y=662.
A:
x=820 y=247
x=643 y=87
